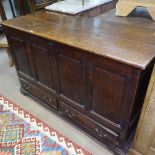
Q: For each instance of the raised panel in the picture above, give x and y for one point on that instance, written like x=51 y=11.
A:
x=41 y=57
x=107 y=94
x=70 y=73
x=20 y=55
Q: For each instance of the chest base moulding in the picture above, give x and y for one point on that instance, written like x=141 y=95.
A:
x=125 y=7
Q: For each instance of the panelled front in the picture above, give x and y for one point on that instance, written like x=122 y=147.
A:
x=88 y=89
x=41 y=60
x=33 y=57
x=99 y=89
x=70 y=74
x=107 y=91
x=33 y=62
x=42 y=64
x=96 y=89
x=20 y=53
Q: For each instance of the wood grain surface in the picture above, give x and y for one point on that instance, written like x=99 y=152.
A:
x=93 y=72
x=124 y=43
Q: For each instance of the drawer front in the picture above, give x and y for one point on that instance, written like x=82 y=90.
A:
x=101 y=132
x=41 y=95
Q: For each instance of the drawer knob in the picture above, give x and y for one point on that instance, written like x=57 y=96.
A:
x=96 y=129
x=50 y=100
x=27 y=87
x=44 y=97
x=66 y=110
x=102 y=135
x=69 y=115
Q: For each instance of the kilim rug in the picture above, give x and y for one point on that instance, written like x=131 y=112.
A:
x=21 y=133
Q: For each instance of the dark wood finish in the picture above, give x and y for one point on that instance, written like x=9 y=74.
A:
x=29 y=6
x=107 y=39
x=2 y=16
x=1 y=30
x=12 y=9
x=25 y=6
x=19 y=5
x=43 y=71
x=45 y=97
x=42 y=4
x=76 y=66
x=20 y=54
x=97 y=129
x=2 y=12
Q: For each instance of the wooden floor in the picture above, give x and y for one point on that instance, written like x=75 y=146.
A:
x=9 y=87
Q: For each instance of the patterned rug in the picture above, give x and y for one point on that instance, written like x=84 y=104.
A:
x=21 y=133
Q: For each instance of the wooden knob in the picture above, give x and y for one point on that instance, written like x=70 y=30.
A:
x=69 y=115
x=96 y=129
x=28 y=87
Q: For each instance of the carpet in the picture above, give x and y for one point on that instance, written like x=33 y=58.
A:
x=21 y=133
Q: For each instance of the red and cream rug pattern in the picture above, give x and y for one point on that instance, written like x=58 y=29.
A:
x=21 y=133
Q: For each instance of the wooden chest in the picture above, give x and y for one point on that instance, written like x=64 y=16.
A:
x=79 y=68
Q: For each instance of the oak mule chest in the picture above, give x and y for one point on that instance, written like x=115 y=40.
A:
x=83 y=72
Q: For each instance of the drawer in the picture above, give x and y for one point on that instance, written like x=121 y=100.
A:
x=101 y=132
x=41 y=95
